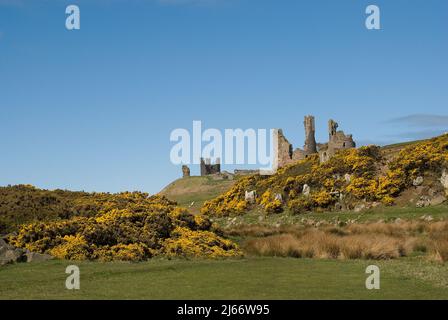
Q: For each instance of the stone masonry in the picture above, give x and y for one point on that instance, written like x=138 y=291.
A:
x=337 y=141
x=185 y=171
x=207 y=168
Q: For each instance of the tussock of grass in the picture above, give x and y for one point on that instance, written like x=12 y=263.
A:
x=378 y=241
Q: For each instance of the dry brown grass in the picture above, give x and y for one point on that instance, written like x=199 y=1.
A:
x=356 y=241
x=439 y=243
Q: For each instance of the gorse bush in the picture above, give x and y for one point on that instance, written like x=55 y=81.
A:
x=350 y=176
x=129 y=227
x=190 y=243
x=231 y=202
x=270 y=203
x=26 y=204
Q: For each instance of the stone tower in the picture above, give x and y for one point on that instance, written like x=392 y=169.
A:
x=310 y=140
x=332 y=129
x=185 y=171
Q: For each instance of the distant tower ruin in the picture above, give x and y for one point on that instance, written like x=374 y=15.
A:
x=310 y=146
x=285 y=152
x=207 y=168
x=185 y=171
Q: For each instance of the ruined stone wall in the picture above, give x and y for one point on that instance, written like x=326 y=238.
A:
x=338 y=140
x=284 y=150
x=299 y=154
x=245 y=172
x=207 y=168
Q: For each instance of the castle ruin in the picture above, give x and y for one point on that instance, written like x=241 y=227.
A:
x=284 y=152
x=207 y=168
x=337 y=141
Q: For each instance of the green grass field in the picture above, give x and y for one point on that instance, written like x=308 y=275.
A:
x=252 y=278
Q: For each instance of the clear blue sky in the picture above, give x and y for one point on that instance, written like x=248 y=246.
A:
x=93 y=109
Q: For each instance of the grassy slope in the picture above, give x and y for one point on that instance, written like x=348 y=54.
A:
x=195 y=189
x=261 y=278
x=387 y=214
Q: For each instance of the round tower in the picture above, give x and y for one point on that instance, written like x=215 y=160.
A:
x=310 y=140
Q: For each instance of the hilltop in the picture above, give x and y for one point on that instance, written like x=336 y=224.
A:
x=408 y=174
x=192 y=192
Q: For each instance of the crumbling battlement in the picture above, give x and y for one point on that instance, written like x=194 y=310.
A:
x=337 y=141
x=207 y=168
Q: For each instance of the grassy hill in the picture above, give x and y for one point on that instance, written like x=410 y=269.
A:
x=392 y=150
x=353 y=179
x=192 y=192
x=25 y=203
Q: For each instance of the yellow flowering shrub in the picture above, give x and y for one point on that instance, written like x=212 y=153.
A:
x=72 y=248
x=199 y=244
x=300 y=205
x=124 y=252
x=322 y=199
x=416 y=159
x=270 y=204
x=362 y=188
x=134 y=231
x=232 y=202
x=359 y=174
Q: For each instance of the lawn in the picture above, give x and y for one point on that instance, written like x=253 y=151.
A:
x=250 y=278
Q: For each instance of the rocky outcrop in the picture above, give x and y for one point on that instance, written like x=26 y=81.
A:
x=306 y=190
x=426 y=201
x=250 y=196
x=360 y=207
x=418 y=181
x=10 y=254
x=36 y=257
x=348 y=178
x=444 y=180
